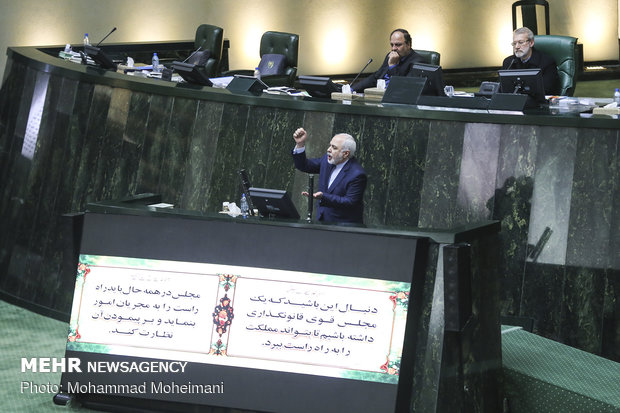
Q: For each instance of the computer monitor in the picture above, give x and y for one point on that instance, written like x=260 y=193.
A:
x=273 y=203
x=102 y=59
x=191 y=73
x=434 y=78
x=404 y=90
x=319 y=87
x=523 y=81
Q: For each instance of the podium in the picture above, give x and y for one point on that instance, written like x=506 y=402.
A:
x=176 y=309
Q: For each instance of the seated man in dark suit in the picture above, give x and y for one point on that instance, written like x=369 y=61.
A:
x=527 y=57
x=398 y=62
x=342 y=180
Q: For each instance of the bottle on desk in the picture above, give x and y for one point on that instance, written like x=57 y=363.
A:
x=86 y=41
x=245 y=209
x=257 y=73
x=617 y=97
x=155 y=63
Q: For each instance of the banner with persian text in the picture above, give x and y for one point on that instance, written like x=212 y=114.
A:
x=289 y=321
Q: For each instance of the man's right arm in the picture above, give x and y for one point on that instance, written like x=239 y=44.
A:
x=299 y=154
x=311 y=166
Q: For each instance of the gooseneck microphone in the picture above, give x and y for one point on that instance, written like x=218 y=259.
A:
x=106 y=36
x=362 y=71
x=195 y=51
x=514 y=59
x=310 y=197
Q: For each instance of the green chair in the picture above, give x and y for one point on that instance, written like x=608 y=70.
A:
x=276 y=46
x=429 y=57
x=563 y=49
x=529 y=14
x=210 y=43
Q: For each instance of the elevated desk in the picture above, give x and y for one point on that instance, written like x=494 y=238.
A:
x=70 y=135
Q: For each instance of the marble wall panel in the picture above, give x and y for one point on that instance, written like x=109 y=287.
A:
x=125 y=175
x=511 y=205
x=256 y=152
x=441 y=180
x=594 y=181
x=55 y=131
x=542 y=297
x=154 y=144
x=225 y=177
x=614 y=242
x=408 y=165
x=376 y=155
x=110 y=149
x=94 y=137
x=279 y=168
x=13 y=169
x=582 y=312
x=481 y=143
x=551 y=198
x=610 y=334
x=77 y=143
x=176 y=146
x=203 y=145
x=37 y=201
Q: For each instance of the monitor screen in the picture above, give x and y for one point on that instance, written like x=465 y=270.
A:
x=273 y=203
x=404 y=90
x=319 y=87
x=523 y=81
x=434 y=78
x=99 y=57
x=191 y=73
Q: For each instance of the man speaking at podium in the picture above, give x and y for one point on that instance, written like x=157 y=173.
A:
x=342 y=180
x=397 y=62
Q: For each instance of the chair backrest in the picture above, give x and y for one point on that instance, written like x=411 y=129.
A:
x=529 y=14
x=563 y=49
x=211 y=38
x=429 y=57
x=281 y=43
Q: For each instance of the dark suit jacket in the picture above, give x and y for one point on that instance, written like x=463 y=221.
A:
x=344 y=201
x=401 y=69
x=542 y=61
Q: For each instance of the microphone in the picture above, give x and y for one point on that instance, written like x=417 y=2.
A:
x=195 y=51
x=106 y=36
x=310 y=198
x=514 y=59
x=361 y=71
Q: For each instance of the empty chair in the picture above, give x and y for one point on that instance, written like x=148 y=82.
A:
x=563 y=49
x=529 y=15
x=278 y=64
x=209 y=42
x=429 y=57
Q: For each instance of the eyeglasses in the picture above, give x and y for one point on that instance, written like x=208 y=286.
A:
x=519 y=42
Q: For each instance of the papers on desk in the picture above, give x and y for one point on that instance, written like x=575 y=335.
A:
x=285 y=90
x=463 y=93
x=74 y=57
